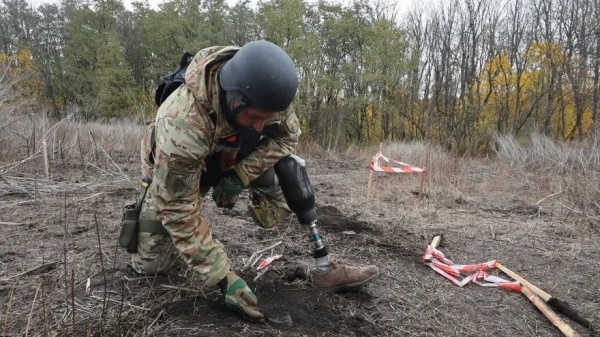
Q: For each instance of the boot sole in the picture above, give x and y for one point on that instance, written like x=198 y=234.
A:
x=350 y=286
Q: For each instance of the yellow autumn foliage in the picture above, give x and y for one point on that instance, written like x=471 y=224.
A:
x=19 y=76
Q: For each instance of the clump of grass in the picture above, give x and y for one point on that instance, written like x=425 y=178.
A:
x=568 y=173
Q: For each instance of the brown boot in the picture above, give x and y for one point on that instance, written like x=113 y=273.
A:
x=340 y=275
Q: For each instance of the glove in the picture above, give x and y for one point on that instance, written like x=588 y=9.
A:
x=227 y=190
x=239 y=298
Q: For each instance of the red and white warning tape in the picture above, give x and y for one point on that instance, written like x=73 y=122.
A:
x=473 y=273
x=404 y=168
x=266 y=262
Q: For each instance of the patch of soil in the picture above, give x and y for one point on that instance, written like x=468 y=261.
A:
x=333 y=220
x=312 y=312
x=79 y=231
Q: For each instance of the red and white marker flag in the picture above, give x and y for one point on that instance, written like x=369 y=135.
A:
x=404 y=168
x=462 y=275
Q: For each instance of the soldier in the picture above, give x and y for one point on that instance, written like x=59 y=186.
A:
x=229 y=127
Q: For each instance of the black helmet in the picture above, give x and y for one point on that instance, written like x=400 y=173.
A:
x=264 y=73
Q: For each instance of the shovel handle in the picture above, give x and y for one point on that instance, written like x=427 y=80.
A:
x=554 y=318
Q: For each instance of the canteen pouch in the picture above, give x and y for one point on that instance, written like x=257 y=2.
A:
x=128 y=238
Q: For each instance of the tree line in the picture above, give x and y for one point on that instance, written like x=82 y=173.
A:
x=456 y=72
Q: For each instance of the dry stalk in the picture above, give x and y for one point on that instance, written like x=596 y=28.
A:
x=18 y=203
x=73 y=298
x=15 y=223
x=8 y=307
x=45 y=156
x=94 y=148
x=44 y=147
x=31 y=311
x=166 y=286
x=115 y=301
x=124 y=175
x=103 y=272
x=121 y=308
x=11 y=166
x=11 y=122
x=27 y=272
x=44 y=317
x=64 y=247
x=156 y=319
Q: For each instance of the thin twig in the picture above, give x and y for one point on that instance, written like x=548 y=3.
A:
x=156 y=319
x=11 y=122
x=13 y=165
x=42 y=266
x=548 y=196
x=166 y=286
x=126 y=177
x=253 y=256
x=18 y=203
x=261 y=273
x=115 y=301
x=15 y=223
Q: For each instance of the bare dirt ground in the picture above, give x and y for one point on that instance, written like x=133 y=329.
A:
x=53 y=242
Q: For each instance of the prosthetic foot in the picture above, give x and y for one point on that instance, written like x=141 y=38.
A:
x=341 y=276
x=300 y=198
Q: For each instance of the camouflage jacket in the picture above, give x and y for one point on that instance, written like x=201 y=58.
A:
x=186 y=135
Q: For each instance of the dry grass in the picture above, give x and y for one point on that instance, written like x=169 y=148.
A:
x=566 y=176
x=70 y=218
x=29 y=168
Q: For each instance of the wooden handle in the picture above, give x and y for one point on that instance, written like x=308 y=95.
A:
x=434 y=243
x=554 y=318
x=544 y=295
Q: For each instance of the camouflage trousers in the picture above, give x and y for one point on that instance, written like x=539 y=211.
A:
x=157 y=253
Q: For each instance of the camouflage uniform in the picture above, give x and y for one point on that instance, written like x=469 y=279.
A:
x=185 y=136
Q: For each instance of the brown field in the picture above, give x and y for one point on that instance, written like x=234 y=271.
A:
x=534 y=208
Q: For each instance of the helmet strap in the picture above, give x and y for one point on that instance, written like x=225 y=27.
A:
x=227 y=105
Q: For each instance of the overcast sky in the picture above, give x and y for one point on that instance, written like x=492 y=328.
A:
x=403 y=5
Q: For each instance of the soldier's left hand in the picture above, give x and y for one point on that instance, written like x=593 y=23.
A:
x=227 y=190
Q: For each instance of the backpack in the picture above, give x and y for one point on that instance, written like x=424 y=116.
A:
x=173 y=80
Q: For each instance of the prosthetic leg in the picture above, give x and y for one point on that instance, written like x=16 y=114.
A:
x=299 y=195
x=300 y=198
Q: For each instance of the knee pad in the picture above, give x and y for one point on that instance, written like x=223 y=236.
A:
x=265 y=212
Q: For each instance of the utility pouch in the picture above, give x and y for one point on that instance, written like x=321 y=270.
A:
x=128 y=238
x=130 y=224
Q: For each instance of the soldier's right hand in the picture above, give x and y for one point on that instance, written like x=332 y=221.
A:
x=226 y=192
x=239 y=297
